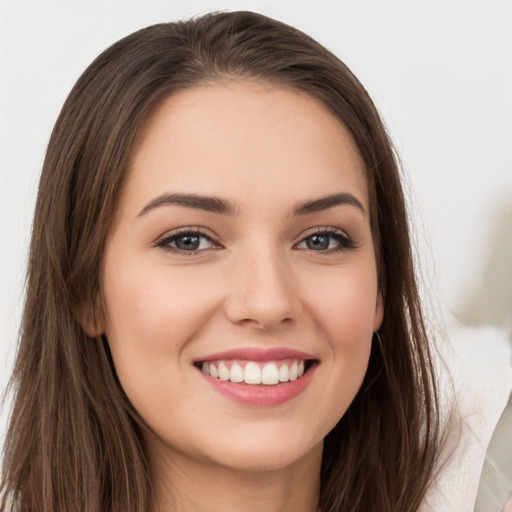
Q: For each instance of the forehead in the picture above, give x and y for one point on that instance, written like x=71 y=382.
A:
x=244 y=137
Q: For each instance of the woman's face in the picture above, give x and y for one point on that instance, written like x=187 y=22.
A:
x=242 y=252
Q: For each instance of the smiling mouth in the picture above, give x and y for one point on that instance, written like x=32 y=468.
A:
x=268 y=373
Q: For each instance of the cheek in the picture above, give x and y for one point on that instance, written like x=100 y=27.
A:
x=344 y=305
x=155 y=303
x=152 y=314
x=343 y=308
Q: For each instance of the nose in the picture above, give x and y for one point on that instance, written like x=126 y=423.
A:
x=264 y=292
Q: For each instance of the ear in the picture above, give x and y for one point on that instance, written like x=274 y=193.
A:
x=379 y=312
x=91 y=318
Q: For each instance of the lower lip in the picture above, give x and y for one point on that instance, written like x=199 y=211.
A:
x=261 y=395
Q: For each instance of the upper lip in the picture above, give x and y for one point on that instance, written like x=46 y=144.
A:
x=257 y=354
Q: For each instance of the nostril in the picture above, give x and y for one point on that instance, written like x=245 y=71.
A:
x=261 y=316
x=263 y=298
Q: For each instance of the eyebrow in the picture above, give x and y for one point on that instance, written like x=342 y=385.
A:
x=326 y=202
x=206 y=203
x=217 y=205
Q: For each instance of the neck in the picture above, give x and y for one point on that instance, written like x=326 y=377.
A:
x=184 y=484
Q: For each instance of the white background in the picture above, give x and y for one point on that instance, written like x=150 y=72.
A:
x=439 y=71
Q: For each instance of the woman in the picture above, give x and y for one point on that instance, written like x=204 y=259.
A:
x=221 y=310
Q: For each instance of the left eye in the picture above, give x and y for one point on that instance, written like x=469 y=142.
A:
x=325 y=242
x=187 y=242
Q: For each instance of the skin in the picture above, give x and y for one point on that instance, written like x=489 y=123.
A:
x=254 y=282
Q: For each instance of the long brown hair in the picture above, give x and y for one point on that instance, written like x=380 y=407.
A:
x=74 y=440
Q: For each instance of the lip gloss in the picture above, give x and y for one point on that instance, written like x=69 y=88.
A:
x=259 y=355
x=261 y=395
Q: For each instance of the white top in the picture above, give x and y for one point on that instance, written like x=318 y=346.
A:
x=480 y=362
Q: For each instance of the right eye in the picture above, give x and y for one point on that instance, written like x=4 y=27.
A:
x=187 y=242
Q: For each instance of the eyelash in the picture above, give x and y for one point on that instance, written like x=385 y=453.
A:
x=165 y=242
x=344 y=241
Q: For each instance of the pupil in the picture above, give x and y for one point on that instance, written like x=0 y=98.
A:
x=318 y=242
x=187 y=242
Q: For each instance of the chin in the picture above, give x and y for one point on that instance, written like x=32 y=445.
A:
x=266 y=459
x=263 y=449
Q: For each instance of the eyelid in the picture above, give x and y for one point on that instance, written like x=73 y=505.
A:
x=323 y=229
x=168 y=236
x=345 y=240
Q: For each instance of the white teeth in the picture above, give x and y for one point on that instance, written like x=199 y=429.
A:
x=223 y=371
x=294 y=372
x=237 y=373
x=284 y=372
x=252 y=373
x=213 y=371
x=270 y=374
